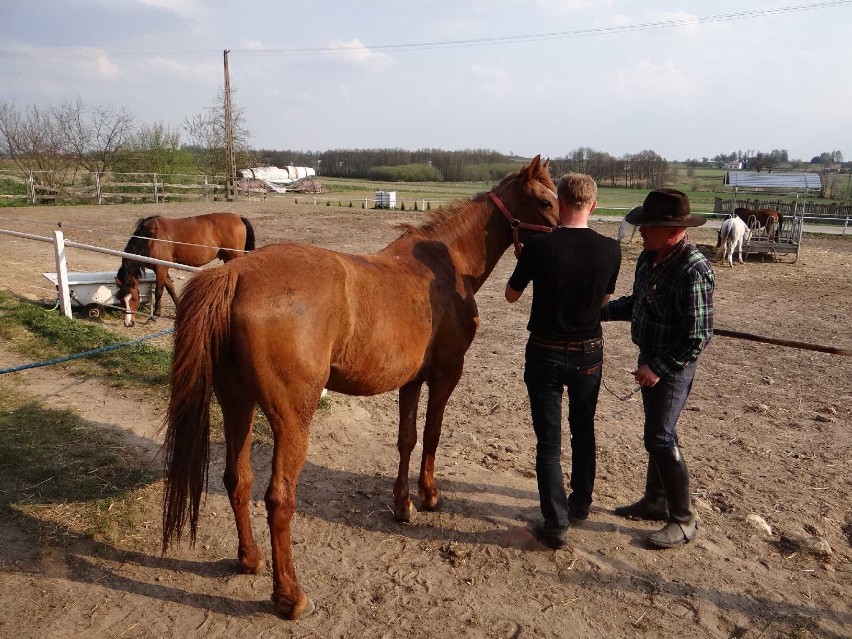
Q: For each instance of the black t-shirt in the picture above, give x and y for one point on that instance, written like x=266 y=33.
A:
x=571 y=271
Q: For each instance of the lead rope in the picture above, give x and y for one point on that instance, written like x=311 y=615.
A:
x=616 y=395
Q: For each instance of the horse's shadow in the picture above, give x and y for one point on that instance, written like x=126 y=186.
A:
x=92 y=562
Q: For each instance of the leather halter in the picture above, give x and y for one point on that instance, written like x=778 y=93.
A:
x=517 y=224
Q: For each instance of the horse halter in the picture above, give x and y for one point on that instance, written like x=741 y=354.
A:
x=517 y=224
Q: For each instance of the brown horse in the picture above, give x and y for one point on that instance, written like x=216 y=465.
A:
x=259 y=330
x=193 y=241
x=768 y=219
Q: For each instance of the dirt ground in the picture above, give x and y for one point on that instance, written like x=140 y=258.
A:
x=766 y=432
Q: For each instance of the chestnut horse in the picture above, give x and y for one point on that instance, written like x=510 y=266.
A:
x=193 y=241
x=768 y=219
x=259 y=330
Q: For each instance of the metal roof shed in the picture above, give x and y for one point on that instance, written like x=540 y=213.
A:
x=790 y=182
x=788 y=239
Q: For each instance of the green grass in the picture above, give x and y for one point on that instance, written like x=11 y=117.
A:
x=40 y=333
x=66 y=474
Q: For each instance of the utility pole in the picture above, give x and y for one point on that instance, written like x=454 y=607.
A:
x=231 y=177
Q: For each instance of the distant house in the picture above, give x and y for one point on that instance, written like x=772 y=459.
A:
x=736 y=165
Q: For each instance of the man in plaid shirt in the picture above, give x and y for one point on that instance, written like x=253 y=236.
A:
x=671 y=316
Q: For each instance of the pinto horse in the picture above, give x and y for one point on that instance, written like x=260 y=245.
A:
x=259 y=331
x=768 y=219
x=193 y=241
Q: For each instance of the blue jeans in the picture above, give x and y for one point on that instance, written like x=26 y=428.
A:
x=663 y=404
x=546 y=373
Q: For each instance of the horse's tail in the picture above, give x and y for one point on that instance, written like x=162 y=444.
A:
x=249 y=235
x=202 y=331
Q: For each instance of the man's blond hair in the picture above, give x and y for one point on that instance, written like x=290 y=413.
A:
x=577 y=189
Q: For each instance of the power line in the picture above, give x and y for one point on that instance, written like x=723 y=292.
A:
x=450 y=44
x=539 y=37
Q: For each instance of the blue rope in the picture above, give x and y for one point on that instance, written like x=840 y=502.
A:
x=95 y=351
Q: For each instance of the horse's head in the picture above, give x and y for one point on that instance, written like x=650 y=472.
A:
x=530 y=197
x=127 y=281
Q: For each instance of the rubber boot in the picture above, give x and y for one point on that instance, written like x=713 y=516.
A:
x=682 y=525
x=652 y=506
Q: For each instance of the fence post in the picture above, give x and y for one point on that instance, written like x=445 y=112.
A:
x=98 y=186
x=62 y=274
x=365 y=204
x=156 y=195
x=206 y=189
x=315 y=200
x=31 y=187
x=424 y=204
x=845 y=225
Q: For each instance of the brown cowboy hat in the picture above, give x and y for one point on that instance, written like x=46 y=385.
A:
x=665 y=207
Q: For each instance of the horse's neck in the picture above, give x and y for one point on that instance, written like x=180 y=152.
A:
x=476 y=237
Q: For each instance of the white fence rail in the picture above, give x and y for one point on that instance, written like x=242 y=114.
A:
x=59 y=243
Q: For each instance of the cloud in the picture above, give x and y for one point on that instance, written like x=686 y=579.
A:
x=355 y=53
x=562 y=7
x=206 y=72
x=492 y=80
x=654 y=82
x=106 y=69
x=183 y=8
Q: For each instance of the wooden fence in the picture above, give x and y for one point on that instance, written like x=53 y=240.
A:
x=109 y=187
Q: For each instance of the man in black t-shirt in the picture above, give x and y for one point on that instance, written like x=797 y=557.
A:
x=573 y=271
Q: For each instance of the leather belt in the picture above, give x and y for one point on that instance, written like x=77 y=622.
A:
x=581 y=346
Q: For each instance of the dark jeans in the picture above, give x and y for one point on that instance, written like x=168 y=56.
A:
x=546 y=373
x=663 y=404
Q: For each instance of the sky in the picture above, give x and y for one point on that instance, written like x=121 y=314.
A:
x=686 y=79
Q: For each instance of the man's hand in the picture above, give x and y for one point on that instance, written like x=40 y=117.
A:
x=645 y=376
x=512 y=295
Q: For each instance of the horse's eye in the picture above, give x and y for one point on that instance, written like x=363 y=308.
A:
x=546 y=203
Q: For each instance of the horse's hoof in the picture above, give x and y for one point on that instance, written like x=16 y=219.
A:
x=252 y=564
x=433 y=502
x=407 y=514
x=301 y=609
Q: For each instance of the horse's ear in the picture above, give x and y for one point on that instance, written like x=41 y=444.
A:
x=533 y=170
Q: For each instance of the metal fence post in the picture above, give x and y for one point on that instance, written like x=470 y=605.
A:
x=62 y=274
x=156 y=195
x=31 y=187
x=98 y=187
x=206 y=189
x=845 y=225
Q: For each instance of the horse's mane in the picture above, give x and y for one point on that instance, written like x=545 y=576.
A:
x=138 y=242
x=431 y=228
x=138 y=245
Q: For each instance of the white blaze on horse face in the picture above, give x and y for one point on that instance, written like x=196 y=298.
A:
x=128 y=314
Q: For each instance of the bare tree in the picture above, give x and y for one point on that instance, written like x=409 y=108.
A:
x=32 y=138
x=94 y=134
x=206 y=131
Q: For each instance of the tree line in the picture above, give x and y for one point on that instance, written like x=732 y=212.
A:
x=62 y=139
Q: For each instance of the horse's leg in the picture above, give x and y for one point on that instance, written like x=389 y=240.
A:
x=409 y=398
x=289 y=414
x=170 y=287
x=161 y=273
x=238 y=416
x=440 y=389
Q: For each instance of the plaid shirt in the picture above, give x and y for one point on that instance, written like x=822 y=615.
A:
x=671 y=308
